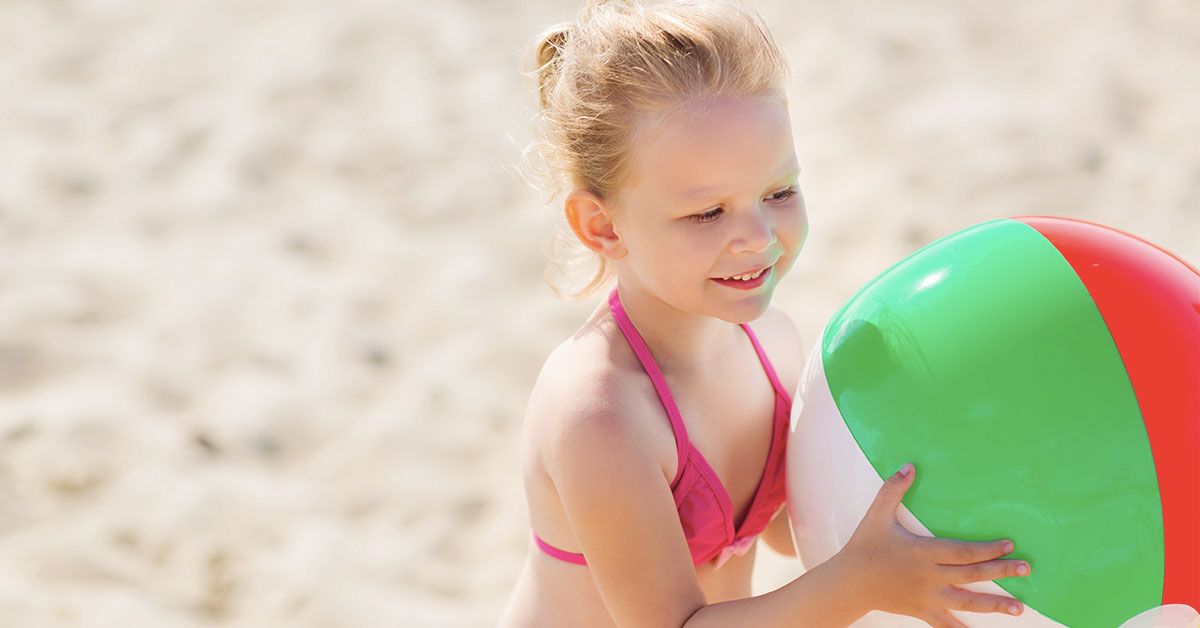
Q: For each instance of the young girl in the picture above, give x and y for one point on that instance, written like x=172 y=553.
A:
x=654 y=438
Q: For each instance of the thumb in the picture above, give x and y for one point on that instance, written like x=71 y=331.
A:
x=887 y=501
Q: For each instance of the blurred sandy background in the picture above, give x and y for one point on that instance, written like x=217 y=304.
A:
x=271 y=300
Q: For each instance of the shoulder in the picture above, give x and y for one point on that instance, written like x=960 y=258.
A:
x=784 y=345
x=609 y=484
x=583 y=410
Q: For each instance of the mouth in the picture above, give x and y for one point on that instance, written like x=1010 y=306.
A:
x=746 y=276
x=746 y=281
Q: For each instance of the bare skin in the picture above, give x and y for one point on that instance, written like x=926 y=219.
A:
x=598 y=451
x=733 y=437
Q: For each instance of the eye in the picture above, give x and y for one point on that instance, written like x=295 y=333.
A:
x=715 y=213
x=784 y=195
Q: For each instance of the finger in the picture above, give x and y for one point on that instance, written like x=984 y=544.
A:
x=942 y=618
x=887 y=500
x=985 y=571
x=963 y=600
x=953 y=552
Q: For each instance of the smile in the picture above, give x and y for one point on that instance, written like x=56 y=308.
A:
x=746 y=281
x=746 y=276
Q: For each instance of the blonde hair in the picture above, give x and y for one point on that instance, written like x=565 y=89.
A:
x=621 y=60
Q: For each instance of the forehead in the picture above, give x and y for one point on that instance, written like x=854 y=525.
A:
x=717 y=145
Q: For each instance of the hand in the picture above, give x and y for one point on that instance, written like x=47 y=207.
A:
x=908 y=574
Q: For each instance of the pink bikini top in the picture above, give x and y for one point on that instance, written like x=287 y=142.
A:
x=704 y=506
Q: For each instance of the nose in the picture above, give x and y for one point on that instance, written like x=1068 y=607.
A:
x=756 y=233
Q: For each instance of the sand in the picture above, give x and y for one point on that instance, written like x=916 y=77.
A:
x=273 y=301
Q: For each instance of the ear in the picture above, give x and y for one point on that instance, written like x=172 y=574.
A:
x=590 y=219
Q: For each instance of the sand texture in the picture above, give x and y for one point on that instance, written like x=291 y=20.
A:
x=271 y=299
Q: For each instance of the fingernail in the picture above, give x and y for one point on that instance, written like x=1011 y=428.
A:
x=906 y=469
x=1008 y=547
x=1014 y=609
x=1023 y=569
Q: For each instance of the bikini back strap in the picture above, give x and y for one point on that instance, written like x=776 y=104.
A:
x=563 y=555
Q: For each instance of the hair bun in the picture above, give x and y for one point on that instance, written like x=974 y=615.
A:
x=549 y=53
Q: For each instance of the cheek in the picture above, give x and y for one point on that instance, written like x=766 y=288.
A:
x=792 y=226
x=694 y=243
x=687 y=254
x=670 y=251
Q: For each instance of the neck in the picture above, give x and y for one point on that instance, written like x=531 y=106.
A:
x=681 y=342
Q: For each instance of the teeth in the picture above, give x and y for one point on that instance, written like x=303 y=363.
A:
x=746 y=277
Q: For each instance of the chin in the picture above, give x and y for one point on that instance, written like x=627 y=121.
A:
x=748 y=309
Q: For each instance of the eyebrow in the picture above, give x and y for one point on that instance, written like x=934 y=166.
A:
x=705 y=191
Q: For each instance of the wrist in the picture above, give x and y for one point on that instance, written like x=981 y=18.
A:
x=852 y=585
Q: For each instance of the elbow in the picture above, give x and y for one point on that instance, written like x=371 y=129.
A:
x=779 y=539
x=779 y=535
x=691 y=619
x=784 y=549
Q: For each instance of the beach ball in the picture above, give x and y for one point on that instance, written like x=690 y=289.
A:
x=1043 y=374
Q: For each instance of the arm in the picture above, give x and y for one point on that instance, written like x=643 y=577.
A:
x=624 y=519
x=778 y=535
x=823 y=596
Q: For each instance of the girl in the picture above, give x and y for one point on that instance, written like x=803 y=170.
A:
x=654 y=438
